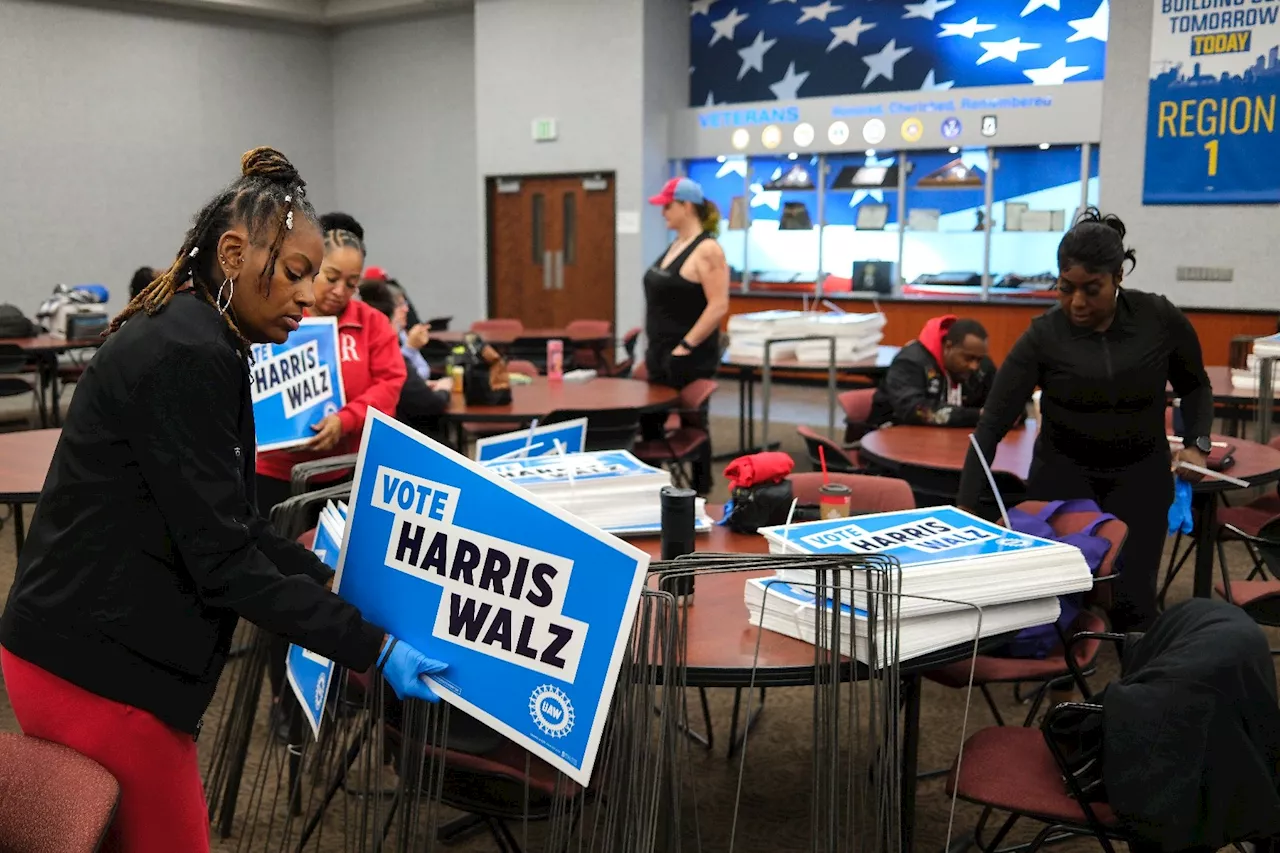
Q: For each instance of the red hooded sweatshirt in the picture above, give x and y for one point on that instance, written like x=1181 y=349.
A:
x=932 y=334
x=373 y=373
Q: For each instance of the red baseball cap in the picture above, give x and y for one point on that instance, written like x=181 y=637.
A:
x=678 y=189
x=375 y=274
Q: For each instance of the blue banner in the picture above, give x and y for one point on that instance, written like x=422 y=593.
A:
x=310 y=674
x=296 y=384
x=530 y=607
x=1212 y=134
x=535 y=441
x=915 y=537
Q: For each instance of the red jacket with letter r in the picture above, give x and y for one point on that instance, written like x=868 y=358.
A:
x=373 y=373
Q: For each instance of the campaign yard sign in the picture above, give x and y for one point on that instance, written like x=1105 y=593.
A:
x=916 y=537
x=536 y=441
x=296 y=384
x=310 y=674
x=601 y=466
x=531 y=608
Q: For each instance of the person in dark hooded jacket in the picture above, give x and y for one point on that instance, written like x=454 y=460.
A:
x=942 y=378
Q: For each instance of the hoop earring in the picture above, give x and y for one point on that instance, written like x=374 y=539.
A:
x=228 y=284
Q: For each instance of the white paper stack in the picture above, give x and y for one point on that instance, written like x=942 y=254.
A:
x=793 y=611
x=944 y=553
x=748 y=332
x=611 y=489
x=1249 y=378
x=857 y=338
x=857 y=335
x=1268 y=347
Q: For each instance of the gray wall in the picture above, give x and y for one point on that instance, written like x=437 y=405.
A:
x=1240 y=236
x=404 y=143
x=578 y=61
x=116 y=131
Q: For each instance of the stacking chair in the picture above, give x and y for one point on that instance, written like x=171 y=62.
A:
x=686 y=440
x=1055 y=670
x=52 y=797
x=1259 y=598
x=18 y=377
x=857 y=411
x=499 y=326
x=528 y=368
x=305 y=474
x=870 y=494
x=838 y=458
x=589 y=356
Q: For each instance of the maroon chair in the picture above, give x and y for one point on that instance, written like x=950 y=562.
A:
x=686 y=442
x=500 y=326
x=857 y=413
x=839 y=459
x=52 y=797
x=870 y=494
x=589 y=355
x=1054 y=669
x=519 y=365
x=1259 y=598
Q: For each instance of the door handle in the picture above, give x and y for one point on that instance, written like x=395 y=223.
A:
x=548 y=260
x=560 y=269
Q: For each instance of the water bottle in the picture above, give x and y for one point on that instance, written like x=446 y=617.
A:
x=555 y=360
x=678 y=509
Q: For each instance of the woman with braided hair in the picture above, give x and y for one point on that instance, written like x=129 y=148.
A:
x=145 y=548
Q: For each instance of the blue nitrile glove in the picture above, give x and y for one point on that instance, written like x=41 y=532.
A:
x=1180 y=509
x=403 y=667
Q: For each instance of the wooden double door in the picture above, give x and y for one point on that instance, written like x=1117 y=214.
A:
x=551 y=249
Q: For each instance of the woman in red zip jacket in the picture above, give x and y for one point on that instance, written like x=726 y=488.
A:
x=373 y=370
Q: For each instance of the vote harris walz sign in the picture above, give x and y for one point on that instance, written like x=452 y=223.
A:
x=296 y=384
x=1212 y=134
x=530 y=607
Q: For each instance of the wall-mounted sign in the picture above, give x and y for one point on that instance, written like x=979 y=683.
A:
x=544 y=130
x=1212 y=124
x=771 y=137
x=838 y=133
x=873 y=131
x=912 y=130
x=803 y=135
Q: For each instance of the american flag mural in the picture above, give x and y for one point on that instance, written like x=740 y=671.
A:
x=765 y=50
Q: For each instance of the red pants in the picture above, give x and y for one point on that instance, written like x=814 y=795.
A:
x=162 y=807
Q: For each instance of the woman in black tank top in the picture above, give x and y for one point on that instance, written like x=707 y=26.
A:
x=686 y=290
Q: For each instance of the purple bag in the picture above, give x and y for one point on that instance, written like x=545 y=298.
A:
x=1039 y=641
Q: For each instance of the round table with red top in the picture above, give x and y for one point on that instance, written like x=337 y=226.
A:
x=907 y=451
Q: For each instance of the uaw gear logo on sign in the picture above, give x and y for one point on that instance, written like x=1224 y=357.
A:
x=296 y=384
x=530 y=607
x=551 y=710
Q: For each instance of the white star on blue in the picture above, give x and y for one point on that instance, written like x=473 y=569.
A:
x=752 y=50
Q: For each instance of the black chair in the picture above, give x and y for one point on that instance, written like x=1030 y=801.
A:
x=535 y=350
x=18 y=377
x=439 y=324
x=304 y=474
x=607 y=429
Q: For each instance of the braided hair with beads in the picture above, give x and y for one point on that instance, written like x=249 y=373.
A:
x=264 y=201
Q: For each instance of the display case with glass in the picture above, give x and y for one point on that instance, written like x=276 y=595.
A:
x=944 y=241
x=782 y=239
x=861 y=229
x=946 y=222
x=1037 y=195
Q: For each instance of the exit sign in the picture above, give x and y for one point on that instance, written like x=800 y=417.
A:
x=544 y=130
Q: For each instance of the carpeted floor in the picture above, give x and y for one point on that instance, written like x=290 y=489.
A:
x=776 y=784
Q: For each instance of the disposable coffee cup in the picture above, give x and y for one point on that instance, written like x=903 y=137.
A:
x=834 y=500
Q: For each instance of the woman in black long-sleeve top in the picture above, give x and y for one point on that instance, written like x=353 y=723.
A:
x=1102 y=359
x=146 y=546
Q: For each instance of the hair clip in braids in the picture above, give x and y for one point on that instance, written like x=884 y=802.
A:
x=288 y=220
x=195 y=250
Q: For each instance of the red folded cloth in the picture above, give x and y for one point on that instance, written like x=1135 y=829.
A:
x=747 y=471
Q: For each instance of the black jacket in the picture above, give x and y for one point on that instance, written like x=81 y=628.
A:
x=1103 y=394
x=1192 y=731
x=915 y=390
x=146 y=547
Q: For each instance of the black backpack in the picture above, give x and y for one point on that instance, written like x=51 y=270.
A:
x=14 y=324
